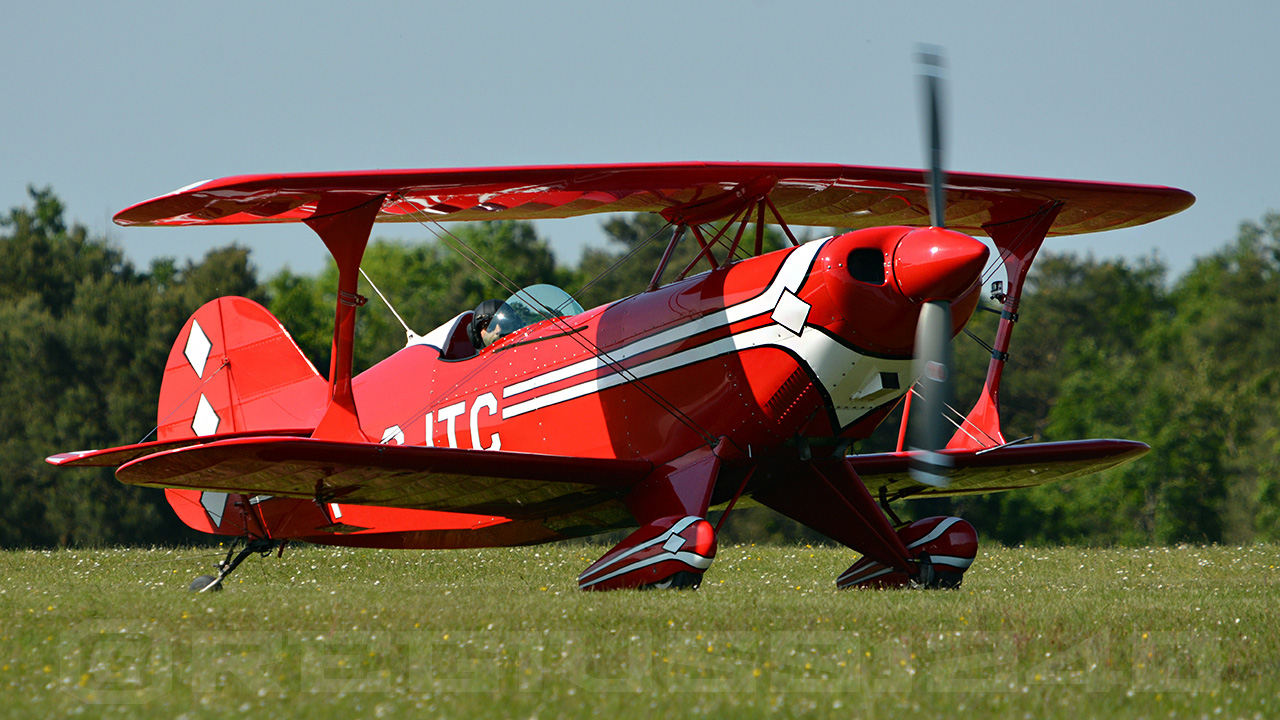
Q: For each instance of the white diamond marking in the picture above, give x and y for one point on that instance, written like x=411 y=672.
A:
x=215 y=503
x=206 y=420
x=197 y=349
x=673 y=543
x=791 y=312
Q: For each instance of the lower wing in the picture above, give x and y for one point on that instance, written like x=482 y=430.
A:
x=508 y=484
x=1008 y=467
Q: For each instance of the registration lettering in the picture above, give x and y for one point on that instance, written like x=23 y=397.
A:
x=449 y=415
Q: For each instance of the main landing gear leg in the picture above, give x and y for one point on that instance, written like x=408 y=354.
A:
x=206 y=583
x=675 y=544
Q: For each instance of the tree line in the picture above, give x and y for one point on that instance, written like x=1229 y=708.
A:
x=1105 y=348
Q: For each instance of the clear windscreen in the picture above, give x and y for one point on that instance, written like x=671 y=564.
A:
x=531 y=305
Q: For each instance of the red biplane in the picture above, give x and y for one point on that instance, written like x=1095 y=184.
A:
x=532 y=420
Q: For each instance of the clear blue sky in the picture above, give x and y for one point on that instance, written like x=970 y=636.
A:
x=114 y=103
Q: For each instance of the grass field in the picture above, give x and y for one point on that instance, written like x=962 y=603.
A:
x=328 y=633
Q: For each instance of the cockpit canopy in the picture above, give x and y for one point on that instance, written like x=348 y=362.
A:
x=530 y=305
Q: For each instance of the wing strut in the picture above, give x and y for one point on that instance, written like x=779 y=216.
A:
x=666 y=257
x=1018 y=241
x=345 y=233
x=706 y=248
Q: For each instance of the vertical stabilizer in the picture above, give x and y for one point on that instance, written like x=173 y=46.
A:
x=234 y=369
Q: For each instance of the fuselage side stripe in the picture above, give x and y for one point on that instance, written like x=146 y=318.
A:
x=770 y=335
x=790 y=277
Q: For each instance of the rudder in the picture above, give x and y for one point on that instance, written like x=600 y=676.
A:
x=235 y=369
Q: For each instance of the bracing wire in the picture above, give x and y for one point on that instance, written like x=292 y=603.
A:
x=591 y=283
x=505 y=282
x=964 y=420
x=411 y=334
x=979 y=340
x=225 y=363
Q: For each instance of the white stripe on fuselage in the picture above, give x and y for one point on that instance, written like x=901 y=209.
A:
x=794 y=270
x=841 y=371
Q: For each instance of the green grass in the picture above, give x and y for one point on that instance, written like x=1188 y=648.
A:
x=329 y=633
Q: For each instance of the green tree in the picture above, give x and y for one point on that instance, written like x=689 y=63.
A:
x=1221 y=355
x=83 y=342
x=72 y=310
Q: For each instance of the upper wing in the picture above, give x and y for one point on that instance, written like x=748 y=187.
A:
x=820 y=195
x=486 y=482
x=1005 y=468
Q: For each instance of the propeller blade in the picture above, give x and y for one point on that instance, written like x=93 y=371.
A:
x=930 y=58
x=929 y=432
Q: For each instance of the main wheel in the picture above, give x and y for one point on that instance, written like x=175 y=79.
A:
x=683 y=580
x=935 y=577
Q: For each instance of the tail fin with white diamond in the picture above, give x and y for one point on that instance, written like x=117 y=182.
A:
x=235 y=369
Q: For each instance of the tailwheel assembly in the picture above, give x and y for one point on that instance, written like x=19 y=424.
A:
x=213 y=583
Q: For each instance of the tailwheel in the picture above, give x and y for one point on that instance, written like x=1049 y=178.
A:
x=213 y=583
x=942 y=549
x=205 y=582
x=670 y=553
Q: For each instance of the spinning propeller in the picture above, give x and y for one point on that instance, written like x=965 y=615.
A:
x=928 y=430
x=930 y=59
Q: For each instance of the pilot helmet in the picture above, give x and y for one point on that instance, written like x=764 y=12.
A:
x=492 y=319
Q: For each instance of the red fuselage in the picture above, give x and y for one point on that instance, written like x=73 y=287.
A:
x=814 y=340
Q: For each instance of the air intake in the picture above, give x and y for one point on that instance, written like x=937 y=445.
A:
x=867 y=265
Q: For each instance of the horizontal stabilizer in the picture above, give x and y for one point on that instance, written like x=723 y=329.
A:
x=116 y=456
x=507 y=484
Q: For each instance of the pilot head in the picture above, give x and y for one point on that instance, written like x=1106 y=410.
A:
x=492 y=319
